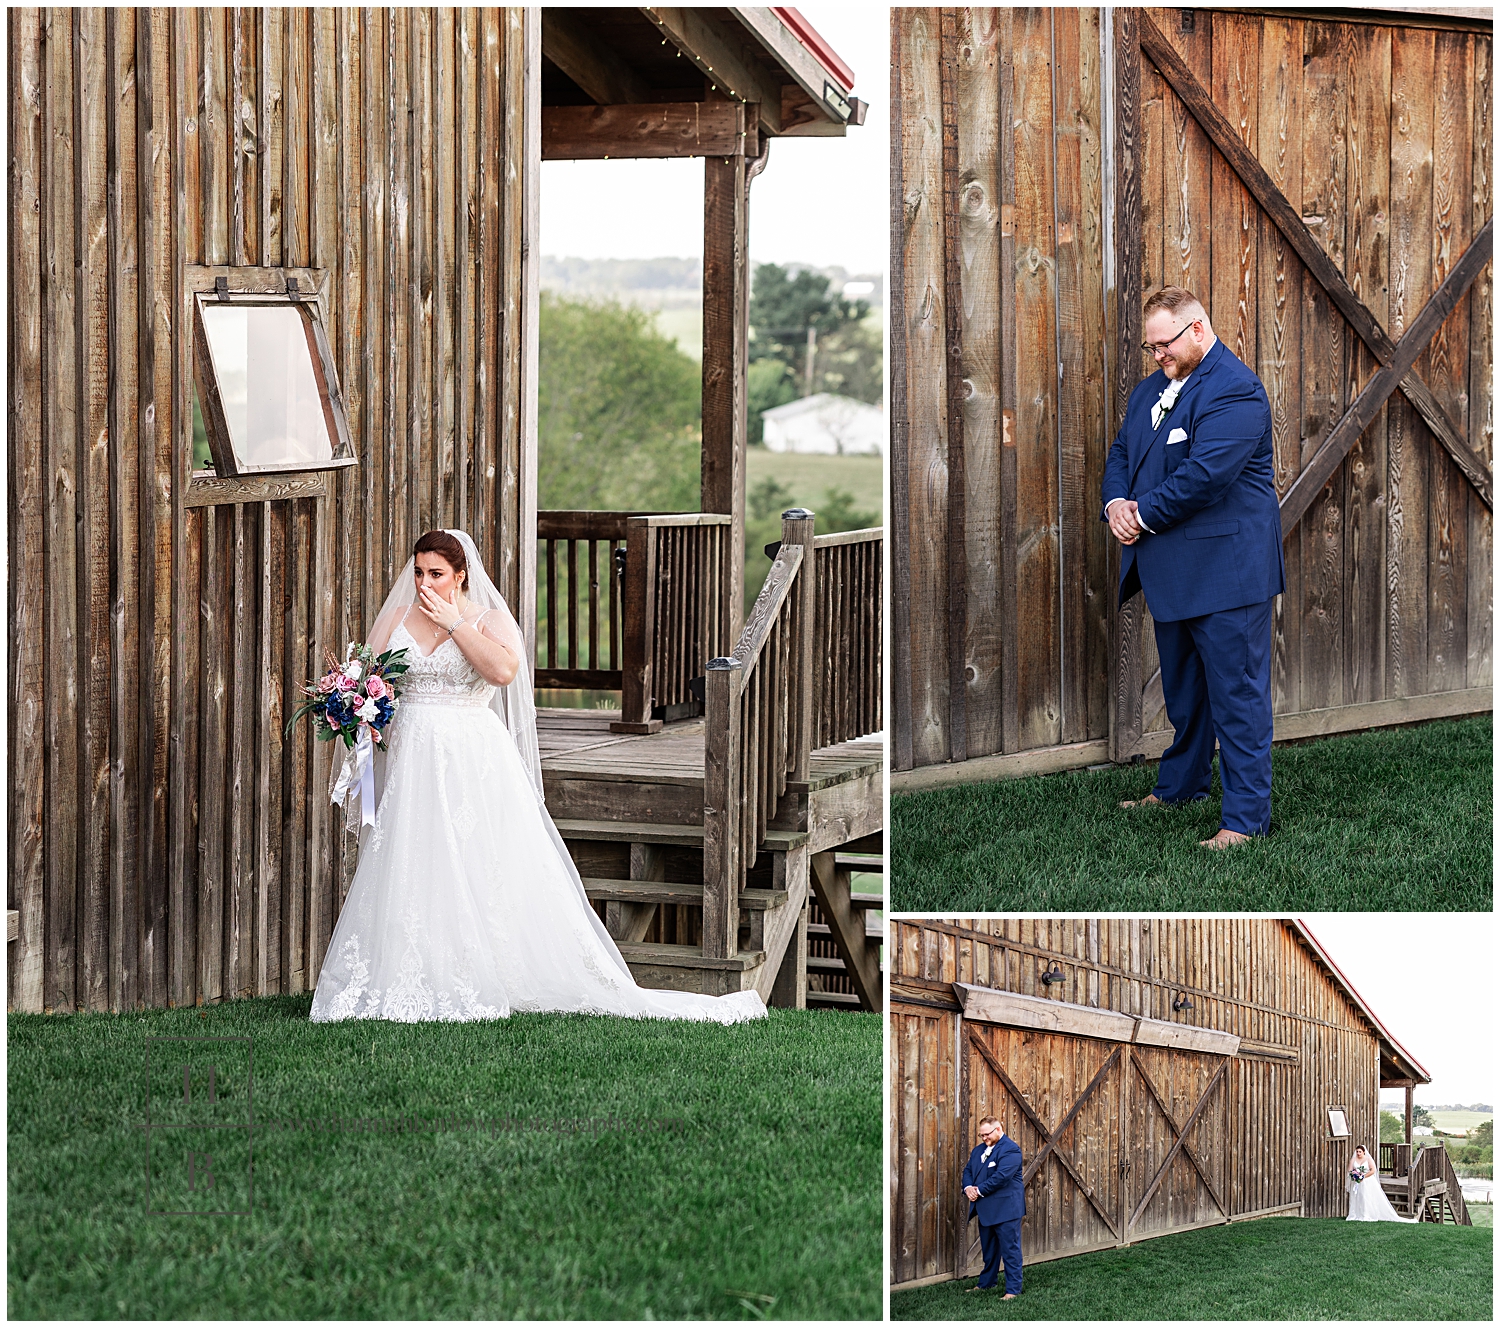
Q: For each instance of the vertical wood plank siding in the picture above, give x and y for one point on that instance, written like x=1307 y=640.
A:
x=1379 y=134
x=1262 y=1136
x=167 y=845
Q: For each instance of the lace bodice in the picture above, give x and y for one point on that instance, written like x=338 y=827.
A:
x=445 y=676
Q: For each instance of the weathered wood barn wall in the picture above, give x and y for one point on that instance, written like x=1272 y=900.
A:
x=166 y=845
x=1324 y=186
x=1197 y=1116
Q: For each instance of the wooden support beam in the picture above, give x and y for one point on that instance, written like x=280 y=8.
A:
x=730 y=66
x=663 y=129
x=1323 y=269
x=570 y=44
x=1317 y=472
x=722 y=807
x=846 y=925
x=957 y=395
x=726 y=304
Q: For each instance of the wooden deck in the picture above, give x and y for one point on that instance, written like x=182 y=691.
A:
x=577 y=748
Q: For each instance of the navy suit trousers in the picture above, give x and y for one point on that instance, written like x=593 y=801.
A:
x=1216 y=681
x=1001 y=1242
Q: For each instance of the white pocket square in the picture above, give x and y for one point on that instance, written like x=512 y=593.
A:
x=992 y=1164
x=1177 y=436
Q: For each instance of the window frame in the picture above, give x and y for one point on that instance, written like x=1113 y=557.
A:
x=1328 y=1118
x=304 y=289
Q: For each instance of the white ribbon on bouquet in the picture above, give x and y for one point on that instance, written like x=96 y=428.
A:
x=359 y=768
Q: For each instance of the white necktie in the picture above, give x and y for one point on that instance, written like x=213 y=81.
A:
x=1165 y=402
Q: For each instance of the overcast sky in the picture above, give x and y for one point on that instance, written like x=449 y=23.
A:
x=1430 y=979
x=821 y=201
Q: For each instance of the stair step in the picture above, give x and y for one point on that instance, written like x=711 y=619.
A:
x=687 y=956
x=644 y=832
x=824 y=964
x=874 y=929
x=862 y=862
x=674 y=892
x=841 y=999
x=862 y=900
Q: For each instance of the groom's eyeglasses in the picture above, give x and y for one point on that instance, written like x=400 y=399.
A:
x=1152 y=348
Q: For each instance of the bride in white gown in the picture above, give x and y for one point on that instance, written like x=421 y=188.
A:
x=466 y=904
x=1367 y=1201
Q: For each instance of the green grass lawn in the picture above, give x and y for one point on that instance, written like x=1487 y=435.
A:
x=810 y=476
x=760 y=1197
x=1278 y=1268
x=1391 y=819
x=1459 y=1120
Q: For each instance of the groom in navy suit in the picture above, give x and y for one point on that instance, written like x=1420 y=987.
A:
x=1189 y=493
x=992 y=1182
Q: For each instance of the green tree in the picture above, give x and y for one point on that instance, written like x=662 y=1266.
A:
x=783 y=306
x=618 y=412
x=766 y=501
x=1392 y=1128
x=1420 y=1115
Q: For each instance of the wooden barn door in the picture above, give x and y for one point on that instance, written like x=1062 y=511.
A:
x=1177 y=1141
x=1324 y=188
x=1059 y=1097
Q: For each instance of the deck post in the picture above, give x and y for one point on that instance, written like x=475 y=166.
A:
x=1410 y=1109
x=726 y=304
x=638 y=630
x=797 y=528
x=723 y=680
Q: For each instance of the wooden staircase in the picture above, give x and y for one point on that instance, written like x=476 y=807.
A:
x=720 y=851
x=846 y=921
x=1428 y=1188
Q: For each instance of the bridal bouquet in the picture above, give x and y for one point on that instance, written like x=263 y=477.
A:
x=355 y=701
x=1356 y=1175
x=360 y=694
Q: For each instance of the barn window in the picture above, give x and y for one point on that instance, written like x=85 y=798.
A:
x=1338 y=1123
x=265 y=383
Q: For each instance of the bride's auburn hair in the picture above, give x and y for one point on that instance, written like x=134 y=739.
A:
x=450 y=550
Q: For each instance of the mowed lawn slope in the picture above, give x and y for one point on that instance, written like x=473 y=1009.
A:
x=762 y=1195
x=1391 y=819
x=1278 y=1268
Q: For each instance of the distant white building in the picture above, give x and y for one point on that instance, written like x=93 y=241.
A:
x=826 y=423
x=1422 y=1130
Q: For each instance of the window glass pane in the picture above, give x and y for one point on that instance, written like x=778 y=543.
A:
x=266 y=382
x=203 y=457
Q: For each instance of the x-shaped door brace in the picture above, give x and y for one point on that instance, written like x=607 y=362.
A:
x=1052 y=1136
x=1181 y=1143
x=1395 y=358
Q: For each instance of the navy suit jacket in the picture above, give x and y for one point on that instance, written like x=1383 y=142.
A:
x=1002 y=1198
x=1210 y=497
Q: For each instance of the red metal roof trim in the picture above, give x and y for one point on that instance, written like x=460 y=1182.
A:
x=1358 y=999
x=809 y=37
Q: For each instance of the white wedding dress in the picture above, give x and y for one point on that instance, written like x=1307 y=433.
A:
x=465 y=904
x=1368 y=1202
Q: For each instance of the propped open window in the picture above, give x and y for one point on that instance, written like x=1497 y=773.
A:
x=1338 y=1123
x=265 y=378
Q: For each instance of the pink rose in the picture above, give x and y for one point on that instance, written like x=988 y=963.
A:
x=327 y=682
x=375 y=688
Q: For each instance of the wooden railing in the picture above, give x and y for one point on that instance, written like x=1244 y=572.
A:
x=848 y=635
x=581 y=612
x=1395 y=1159
x=1434 y=1164
x=631 y=601
x=676 y=612
x=758 y=729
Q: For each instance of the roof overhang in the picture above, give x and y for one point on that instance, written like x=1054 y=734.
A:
x=618 y=81
x=1396 y=1063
